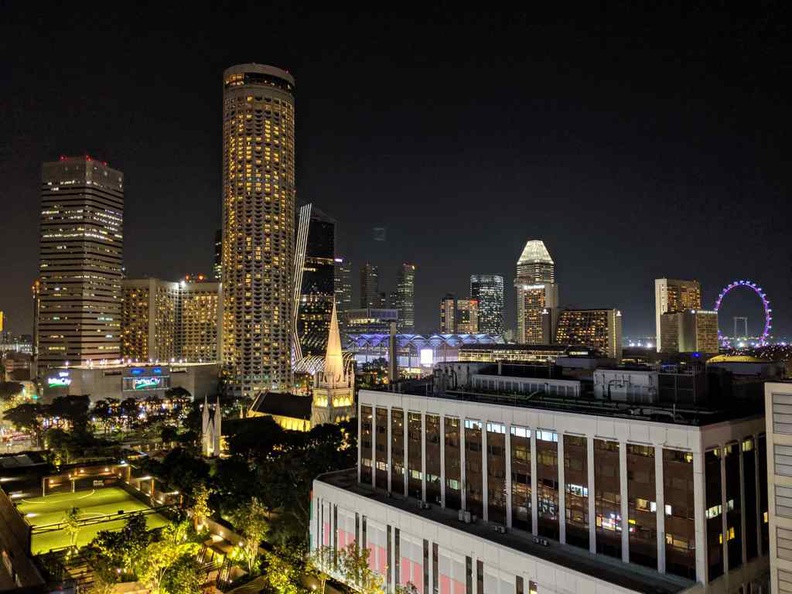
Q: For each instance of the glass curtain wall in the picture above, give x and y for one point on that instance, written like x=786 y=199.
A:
x=577 y=490
x=607 y=497
x=521 y=477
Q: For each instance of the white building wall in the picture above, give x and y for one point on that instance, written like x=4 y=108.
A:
x=503 y=564
x=778 y=407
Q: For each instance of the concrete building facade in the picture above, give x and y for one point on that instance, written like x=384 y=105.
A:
x=478 y=494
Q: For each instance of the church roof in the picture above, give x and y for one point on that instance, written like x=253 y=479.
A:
x=535 y=251
x=282 y=405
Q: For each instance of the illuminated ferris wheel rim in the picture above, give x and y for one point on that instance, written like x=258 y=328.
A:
x=765 y=304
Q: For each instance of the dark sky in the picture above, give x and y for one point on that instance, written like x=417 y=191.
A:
x=635 y=144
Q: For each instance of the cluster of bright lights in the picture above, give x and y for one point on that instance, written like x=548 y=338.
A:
x=765 y=304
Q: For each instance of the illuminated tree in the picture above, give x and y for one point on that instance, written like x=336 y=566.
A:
x=27 y=417
x=113 y=550
x=283 y=577
x=161 y=556
x=252 y=522
x=184 y=576
x=353 y=565
x=200 y=508
x=71 y=523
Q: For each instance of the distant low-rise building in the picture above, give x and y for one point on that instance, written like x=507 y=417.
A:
x=130 y=381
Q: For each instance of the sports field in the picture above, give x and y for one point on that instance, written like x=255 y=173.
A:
x=98 y=510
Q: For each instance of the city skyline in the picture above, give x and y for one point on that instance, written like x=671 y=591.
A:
x=666 y=153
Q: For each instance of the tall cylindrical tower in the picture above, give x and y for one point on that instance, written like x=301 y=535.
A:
x=258 y=227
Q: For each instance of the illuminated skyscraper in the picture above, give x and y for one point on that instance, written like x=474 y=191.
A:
x=165 y=320
x=150 y=320
x=448 y=314
x=369 y=287
x=672 y=296
x=258 y=227
x=217 y=265
x=405 y=298
x=199 y=323
x=536 y=292
x=689 y=331
x=458 y=316
x=314 y=280
x=81 y=252
x=467 y=316
x=487 y=290
x=343 y=289
x=597 y=328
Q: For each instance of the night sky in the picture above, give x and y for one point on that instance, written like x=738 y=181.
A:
x=635 y=144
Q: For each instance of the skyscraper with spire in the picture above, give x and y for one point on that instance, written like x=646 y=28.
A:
x=334 y=387
x=536 y=293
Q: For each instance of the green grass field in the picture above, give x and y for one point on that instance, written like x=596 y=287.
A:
x=51 y=509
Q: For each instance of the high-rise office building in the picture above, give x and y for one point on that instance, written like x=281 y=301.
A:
x=467 y=316
x=343 y=284
x=258 y=227
x=81 y=255
x=487 y=290
x=689 y=331
x=448 y=307
x=370 y=295
x=150 y=320
x=536 y=292
x=597 y=328
x=405 y=298
x=672 y=296
x=314 y=280
x=199 y=322
x=217 y=264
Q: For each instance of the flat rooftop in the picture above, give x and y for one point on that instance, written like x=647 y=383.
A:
x=634 y=577
x=661 y=412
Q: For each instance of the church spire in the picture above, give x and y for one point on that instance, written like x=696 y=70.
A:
x=334 y=359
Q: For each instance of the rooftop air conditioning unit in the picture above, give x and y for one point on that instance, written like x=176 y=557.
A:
x=501 y=529
x=468 y=517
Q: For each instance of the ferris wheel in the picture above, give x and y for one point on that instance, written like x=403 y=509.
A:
x=768 y=325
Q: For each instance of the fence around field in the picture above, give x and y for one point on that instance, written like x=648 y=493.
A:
x=100 y=519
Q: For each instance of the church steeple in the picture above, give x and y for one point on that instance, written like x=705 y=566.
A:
x=334 y=387
x=334 y=359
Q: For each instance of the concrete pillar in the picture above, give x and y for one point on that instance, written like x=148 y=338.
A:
x=742 y=505
x=484 y=493
x=508 y=477
x=462 y=469
x=699 y=501
x=724 y=522
x=757 y=478
x=442 y=462
x=423 y=456
x=406 y=465
x=660 y=502
x=360 y=434
x=592 y=510
x=389 y=448
x=534 y=483
x=625 y=504
x=373 y=446
x=561 y=492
